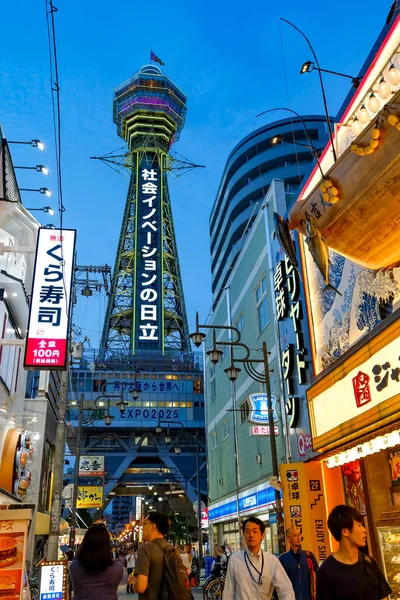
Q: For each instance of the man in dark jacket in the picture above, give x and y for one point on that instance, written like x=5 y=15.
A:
x=300 y=566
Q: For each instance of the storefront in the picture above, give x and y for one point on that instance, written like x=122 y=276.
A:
x=257 y=501
x=354 y=411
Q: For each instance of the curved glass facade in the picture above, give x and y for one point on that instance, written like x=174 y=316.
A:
x=274 y=151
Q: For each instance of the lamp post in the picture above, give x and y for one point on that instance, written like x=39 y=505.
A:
x=42 y=190
x=34 y=143
x=309 y=67
x=321 y=83
x=315 y=151
x=233 y=373
x=38 y=168
x=45 y=209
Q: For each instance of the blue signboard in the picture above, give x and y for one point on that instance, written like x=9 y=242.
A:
x=163 y=386
x=256 y=500
x=259 y=408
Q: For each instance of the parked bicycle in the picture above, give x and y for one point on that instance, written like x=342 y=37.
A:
x=214 y=586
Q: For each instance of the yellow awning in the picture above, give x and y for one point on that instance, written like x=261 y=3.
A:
x=42 y=523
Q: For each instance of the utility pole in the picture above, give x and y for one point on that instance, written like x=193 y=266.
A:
x=55 y=515
x=199 y=530
x=274 y=455
x=76 y=476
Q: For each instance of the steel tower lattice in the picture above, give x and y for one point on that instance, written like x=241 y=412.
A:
x=146 y=310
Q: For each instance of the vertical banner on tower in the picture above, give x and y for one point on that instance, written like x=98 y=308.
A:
x=47 y=339
x=304 y=505
x=148 y=318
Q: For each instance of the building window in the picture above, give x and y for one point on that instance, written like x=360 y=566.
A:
x=214 y=440
x=262 y=303
x=240 y=322
x=244 y=411
x=226 y=428
x=213 y=384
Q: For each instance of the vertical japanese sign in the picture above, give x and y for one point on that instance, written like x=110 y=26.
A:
x=46 y=343
x=148 y=328
x=304 y=505
x=52 y=581
x=138 y=508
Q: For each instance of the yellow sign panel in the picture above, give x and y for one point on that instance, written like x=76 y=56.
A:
x=90 y=496
x=304 y=505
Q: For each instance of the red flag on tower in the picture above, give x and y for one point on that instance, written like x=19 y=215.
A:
x=154 y=58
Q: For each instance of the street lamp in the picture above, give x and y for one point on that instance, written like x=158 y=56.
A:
x=214 y=354
x=42 y=190
x=280 y=139
x=309 y=67
x=121 y=405
x=233 y=372
x=46 y=209
x=38 y=168
x=315 y=151
x=34 y=143
x=321 y=83
x=108 y=419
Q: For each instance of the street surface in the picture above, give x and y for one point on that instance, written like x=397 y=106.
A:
x=197 y=592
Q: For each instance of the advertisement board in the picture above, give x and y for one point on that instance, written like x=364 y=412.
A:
x=91 y=466
x=46 y=342
x=90 y=496
x=305 y=508
x=339 y=320
x=13 y=541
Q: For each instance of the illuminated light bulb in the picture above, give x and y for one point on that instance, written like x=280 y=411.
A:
x=356 y=126
x=373 y=103
x=363 y=115
x=393 y=75
x=383 y=88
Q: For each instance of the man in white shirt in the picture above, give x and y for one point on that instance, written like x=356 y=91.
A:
x=253 y=574
x=130 y=567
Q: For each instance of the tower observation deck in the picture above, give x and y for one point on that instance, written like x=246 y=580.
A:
x=146 y=312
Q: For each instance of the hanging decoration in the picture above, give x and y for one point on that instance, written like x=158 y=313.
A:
x=372 y=146
x=329 y=191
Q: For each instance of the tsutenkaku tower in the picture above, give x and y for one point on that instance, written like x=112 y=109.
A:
x=146 y=309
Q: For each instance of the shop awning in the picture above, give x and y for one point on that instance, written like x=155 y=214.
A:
x=42 y=524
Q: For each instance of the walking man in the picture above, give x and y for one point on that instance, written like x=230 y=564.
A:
x=347 y=573
x=300 y=566
x=149 y=562
x=130 y=567
x=253 y=573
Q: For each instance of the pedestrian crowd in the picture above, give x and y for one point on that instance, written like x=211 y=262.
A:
x=160 y=571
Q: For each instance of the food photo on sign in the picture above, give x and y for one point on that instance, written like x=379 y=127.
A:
x=10 y=584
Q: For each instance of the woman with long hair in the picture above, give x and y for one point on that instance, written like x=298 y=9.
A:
x=93 y=572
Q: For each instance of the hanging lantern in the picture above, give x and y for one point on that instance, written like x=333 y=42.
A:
x=356 y=126
x=393 y=75
x=383 y=88
x=373 y=103
x=363 y=115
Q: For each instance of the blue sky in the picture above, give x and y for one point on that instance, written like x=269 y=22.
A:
x=232 y=59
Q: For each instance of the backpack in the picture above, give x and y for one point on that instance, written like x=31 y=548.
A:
x=175 y=582
x=313 y=576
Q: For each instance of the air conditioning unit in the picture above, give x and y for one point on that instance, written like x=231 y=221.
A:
x=258 y=459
